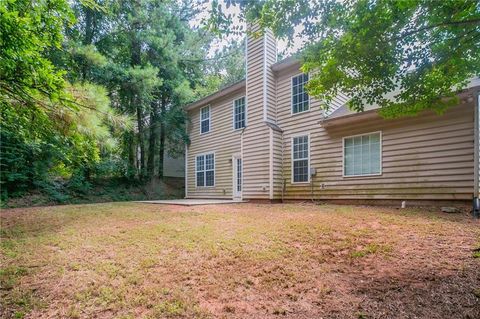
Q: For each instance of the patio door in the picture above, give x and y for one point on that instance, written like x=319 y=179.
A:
x=237 y=177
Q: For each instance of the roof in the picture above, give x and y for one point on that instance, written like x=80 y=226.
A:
x=274 y=126
x=222 y=92
x=285 y=63
x=344 y=111
x=280 y=65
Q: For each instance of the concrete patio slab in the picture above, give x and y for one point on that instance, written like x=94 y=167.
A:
x=192 y=202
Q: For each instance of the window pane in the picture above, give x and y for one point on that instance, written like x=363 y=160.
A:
x=200 y=163
x=200 y=179
x=239 y=174
x=365 y=158
x=375 y=158
x=205 y=112
x=239 y=113
x=205 y=126
x=209 y=181
x=362 y=155
x=300 y=159
x=375 y=138
x=299 y=95
x=209 y=162
x=300 y=171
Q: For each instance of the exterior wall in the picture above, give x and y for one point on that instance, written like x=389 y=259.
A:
x=429 y=157
x=222 y=140
x=260 y=108
x=424 y=159
x=173 y=167
x=277 y=160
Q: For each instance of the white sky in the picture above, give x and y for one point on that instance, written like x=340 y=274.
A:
x=235 y=10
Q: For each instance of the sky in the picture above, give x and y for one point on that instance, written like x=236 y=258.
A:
x=235 y=11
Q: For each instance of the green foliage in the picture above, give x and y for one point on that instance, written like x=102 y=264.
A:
x=74 y=76
x=225 y=68
x=419 y=51
x=26 y=31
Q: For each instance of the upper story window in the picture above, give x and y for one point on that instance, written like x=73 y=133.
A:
x=205 y=170
x=300 y=159
x=362 y=155
x=239 y=113
x=300 y=99
x=205 y=119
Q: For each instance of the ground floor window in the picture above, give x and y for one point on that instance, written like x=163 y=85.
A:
x=362 y=155
x=300 y=159
x=205 y=170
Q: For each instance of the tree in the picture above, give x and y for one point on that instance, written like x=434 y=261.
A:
x=151 y=61
x=421 y=49
x=51 y=127
x=26 y=32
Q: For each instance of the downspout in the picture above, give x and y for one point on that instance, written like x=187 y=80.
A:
x=265 y=77
x=476 y=155
x=243 y=162
x=186 y=163
x=284 y=181
x=270 y=155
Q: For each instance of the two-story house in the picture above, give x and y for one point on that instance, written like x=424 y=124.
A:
x=264 y=138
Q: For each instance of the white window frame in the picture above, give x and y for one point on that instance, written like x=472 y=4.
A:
x=205 y=174
x=209 y=119
x=233 y=113
x=381 y=156
x=291 y=96
x=292 y=160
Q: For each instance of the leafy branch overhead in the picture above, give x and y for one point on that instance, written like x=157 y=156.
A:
x=404 y=56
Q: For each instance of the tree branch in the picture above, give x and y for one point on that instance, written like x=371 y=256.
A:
x=443 y=24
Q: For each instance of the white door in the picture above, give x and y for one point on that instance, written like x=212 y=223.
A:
x=237 y=177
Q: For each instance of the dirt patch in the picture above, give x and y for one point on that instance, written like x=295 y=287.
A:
x=128 y=260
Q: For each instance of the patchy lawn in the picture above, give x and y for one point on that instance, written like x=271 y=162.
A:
x=128 y=260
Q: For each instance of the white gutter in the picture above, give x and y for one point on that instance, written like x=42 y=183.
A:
x=265 y=76
x=243 y=163
x=186 y=171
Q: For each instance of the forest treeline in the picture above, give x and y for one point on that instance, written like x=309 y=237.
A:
x=95 y=89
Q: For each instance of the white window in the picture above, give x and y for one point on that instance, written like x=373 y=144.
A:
x=362 y=155
x=205 y=119
x=300 y=99
x=300 y=159
x=239 y=113
x=205 y=170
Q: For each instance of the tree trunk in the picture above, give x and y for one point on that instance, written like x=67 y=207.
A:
x=161 y=152
x=136 y=59
x=87 y=37
x=152 y=141
x=131 y=170
x=89 y=26
x=141 y=141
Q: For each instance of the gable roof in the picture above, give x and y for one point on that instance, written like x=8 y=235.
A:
x=344 y=112
x=222 y=92
x=280 y=65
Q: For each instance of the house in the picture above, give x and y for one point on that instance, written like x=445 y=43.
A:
x=173 y=167
x=264 y=138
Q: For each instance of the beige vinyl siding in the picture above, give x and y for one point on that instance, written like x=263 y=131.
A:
x=222 y=140
x=429 y=157
x=277 y=164
x=271 y=58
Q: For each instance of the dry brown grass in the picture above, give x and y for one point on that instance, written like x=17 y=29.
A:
x=130 y=260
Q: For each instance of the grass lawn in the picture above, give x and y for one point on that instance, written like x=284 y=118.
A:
x=129 y=260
